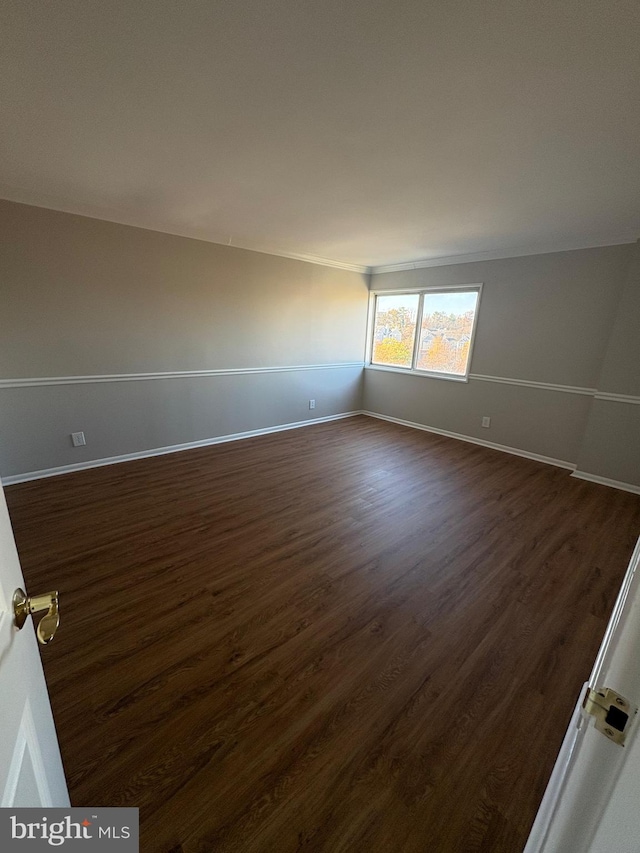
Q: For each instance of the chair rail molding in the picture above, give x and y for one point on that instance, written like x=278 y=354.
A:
x=29 y=382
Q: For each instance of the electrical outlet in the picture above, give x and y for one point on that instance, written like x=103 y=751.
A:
x=312 y=404
x=78 y=439
x=486 y=422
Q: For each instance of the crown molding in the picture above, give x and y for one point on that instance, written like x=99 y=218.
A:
x=17 y=196
x=308 y=259
x=501 y=254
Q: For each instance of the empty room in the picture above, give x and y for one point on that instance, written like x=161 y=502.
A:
x=319 y=423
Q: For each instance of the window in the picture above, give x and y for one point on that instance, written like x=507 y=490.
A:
x=428 y=331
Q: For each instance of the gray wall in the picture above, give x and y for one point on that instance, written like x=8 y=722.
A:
x=611 y=446
x=85 y=297
x=568 y=319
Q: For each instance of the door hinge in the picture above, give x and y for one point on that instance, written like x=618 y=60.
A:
x=613 y=713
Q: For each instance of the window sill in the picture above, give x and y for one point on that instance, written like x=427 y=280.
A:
x=424 y=374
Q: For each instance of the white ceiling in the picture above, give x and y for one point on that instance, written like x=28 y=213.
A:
x=363 y=131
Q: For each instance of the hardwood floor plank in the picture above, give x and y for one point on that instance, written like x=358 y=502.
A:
x=352 y=637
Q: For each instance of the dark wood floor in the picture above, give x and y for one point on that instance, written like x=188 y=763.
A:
x=349 y=637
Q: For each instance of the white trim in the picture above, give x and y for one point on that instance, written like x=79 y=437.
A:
x=371 y=320
x=162 y=451
x=556 y=805
x=605 y=481
x=301 y=256
x=174 y=374
x=410 y=371
x=558 y=779
x=18 y=195
x=421 y=292
x=175 y=448
x=548 y=460
x=528 y=383
x=40 y=381
x=617 y=398
x=606 y=647
x=525 y=383
x=424 y=288
x=514 y=451
x=26 y=739
x=500 y=254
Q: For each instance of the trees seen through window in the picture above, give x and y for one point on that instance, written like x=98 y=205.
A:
x=430 y=331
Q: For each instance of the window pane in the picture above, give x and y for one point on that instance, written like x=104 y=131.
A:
x=394 y=329
x=445 y=334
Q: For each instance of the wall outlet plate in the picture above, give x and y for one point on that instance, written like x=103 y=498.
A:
x=312 y=404
x=78 y=439
x=486 y=422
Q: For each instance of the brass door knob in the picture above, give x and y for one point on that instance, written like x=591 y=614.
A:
x=24 y=604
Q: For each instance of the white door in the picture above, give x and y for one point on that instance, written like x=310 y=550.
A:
x=31 y=771
x=591 y=804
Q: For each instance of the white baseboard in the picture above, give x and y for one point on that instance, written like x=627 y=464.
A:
x=221 y=439
x=548 y=460
x=605 y=481
x=514 y=451
x=162 y=451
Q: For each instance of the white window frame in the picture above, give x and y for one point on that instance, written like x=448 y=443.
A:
x=421 y=291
